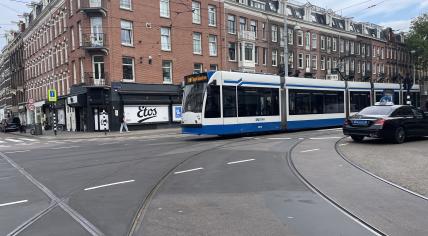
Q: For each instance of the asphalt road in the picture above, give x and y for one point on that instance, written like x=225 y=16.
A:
x=165 y=184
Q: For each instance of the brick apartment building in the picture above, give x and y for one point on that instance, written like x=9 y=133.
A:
x=125 y=56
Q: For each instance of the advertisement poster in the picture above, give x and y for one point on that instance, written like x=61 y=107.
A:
x=142 y=114
x=176 y=116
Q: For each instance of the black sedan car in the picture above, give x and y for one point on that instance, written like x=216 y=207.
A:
x=394 y=123
x=10 y=124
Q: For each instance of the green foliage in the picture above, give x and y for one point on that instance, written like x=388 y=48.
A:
x=417 y=40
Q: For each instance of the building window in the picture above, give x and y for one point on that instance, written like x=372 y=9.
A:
x=291 y=60
x=232 y=51
x=264 y=60
x=274 y=57
x=323 y=42
x=72 y=39
x=328 y=43
x=308 y=41
x=290 y=36
x=281 y=58
x=167 y=72
x=231 y=24
x=196 y=12
x=165 y=39
x=314 y=40
x=197 y=68
x=357 y=47
x=213 y=67
x=334 y=44
x=322 y=62
x=274 y=30
x=308 y=61
x=79 y=27
x=212 y=18
x=352 y=47
x=124 y=4
x=164 y=8
x=212 y=40
x=242 y=24
x=248 y=52
x=128 y=68
x=253 y=27
x=197 y=44
x=300 y=61
x=256 y=55
x=314 y=62
x=264 y=30
x=126 y=32
x=329 y=64
x=300 y=38
x=342 y=46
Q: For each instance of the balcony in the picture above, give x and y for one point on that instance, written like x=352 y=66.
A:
x=95 y=43
x=94 y=79
x=246 y=35
x=94 y=7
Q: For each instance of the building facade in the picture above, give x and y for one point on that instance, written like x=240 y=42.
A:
x=119 y=59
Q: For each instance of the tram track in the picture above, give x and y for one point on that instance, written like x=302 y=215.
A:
x=290 y=163
x=343 y=156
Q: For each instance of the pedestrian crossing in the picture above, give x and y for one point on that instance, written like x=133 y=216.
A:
x=4 y=142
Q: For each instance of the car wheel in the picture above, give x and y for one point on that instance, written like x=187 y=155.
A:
x=399 y=135
x=357 y=138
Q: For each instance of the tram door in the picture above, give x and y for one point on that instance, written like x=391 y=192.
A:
x=230 y=110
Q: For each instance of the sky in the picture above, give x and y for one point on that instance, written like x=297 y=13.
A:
x=392 y=13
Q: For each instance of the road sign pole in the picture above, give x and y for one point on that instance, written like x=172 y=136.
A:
x=54 y=119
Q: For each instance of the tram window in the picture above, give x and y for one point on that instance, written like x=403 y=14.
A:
x=379 y=95
x=229 y=101
x=303 y=102
x=396 y=98
x=359 y=101
x=212 y=105
x=258 y=101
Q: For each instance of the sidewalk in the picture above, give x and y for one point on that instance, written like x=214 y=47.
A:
x=61 y=135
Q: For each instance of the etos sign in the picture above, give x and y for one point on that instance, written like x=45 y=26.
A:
x=146 y=114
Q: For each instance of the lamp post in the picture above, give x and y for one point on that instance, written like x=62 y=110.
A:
x=414 y=65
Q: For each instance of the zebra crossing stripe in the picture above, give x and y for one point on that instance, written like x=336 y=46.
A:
x=2 y=141
x=14 y=140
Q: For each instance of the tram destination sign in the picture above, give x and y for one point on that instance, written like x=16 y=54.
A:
x=193 y=79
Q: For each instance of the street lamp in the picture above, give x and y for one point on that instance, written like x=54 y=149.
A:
x=414 y=65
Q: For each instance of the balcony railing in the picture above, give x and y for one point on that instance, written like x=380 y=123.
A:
x=96 y=79
x=94 y=7
x=247 y=35
x=94 y=42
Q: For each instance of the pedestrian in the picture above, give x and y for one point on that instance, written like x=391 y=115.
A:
x=123 y=124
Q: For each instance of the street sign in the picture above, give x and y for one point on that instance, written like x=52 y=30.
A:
x=30 y=101
x=52 y=95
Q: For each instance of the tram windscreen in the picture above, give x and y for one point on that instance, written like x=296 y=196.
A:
x=193 y=96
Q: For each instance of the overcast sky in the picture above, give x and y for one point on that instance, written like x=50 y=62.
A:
x=393 y=13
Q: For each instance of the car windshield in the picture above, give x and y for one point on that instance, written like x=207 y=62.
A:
x=376 y=111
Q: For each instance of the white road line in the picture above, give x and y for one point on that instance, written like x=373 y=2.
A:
x=56 y=142
x=311 y=150
x=13 y=203
x=343 y=144
x=18 y=151
x=323 y=130
x=280 y=138
x=64 y=147
x=106 y=185
x=321 y=138
x=184 y=171
x=4 y=146
x=2 y=141
x=13 y=140
x=28 y=139
x=101 y=144
x=236 y=162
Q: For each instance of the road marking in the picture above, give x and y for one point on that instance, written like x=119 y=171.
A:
x=280 y=138
x=106 y=185
x=101 y=144
x=13 y=203
x=64 y=147
x=2 y=141
x=323 y=130
x=184 y=171
x=13 y=140
x=343 y=144
x=321 y=138
x=235 y=162
x=311 y=150
x=18 y=151
x=56 y=142
x=28 y=139
x=301 y=138
x=4 y=146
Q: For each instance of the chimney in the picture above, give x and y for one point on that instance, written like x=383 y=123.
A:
x=21 y=26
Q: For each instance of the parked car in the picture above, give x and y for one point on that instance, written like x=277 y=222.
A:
x=10 y=124
x=392 y=122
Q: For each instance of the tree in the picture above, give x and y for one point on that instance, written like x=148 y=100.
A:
x=417 y=40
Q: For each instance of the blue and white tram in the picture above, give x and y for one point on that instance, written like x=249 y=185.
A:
x=226 y=103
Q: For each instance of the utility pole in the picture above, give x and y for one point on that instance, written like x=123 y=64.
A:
x=285 y=38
